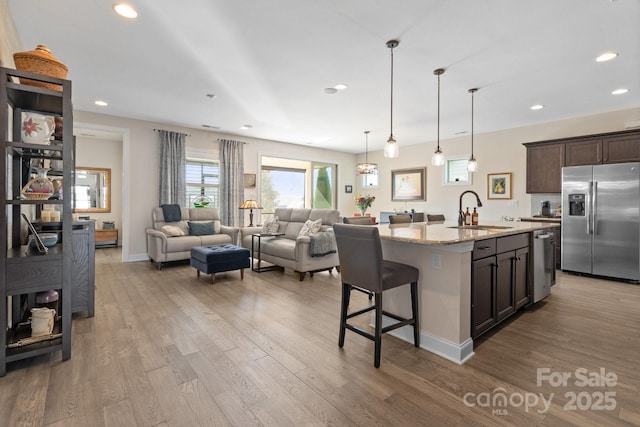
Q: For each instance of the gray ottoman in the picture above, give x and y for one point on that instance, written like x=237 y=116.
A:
x=218 y=258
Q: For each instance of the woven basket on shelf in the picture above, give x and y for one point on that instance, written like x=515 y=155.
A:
x=40 y=183
x=40 y=61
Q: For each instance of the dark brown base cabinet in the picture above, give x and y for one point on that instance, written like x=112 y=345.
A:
x=545 y=159
x=499 y=280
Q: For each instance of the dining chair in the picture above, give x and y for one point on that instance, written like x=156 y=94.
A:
x=362 y=265
x=435 y=218
x=399 y=219
x=360 y=220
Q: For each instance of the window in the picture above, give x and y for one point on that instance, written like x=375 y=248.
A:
x=455 y=172
x=203 y=182
x=288 y=183
x=369 y=181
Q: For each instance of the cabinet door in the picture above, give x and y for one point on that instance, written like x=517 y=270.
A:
x=544 y=168
x=83 y=271
x=521 y=278
x=585 y=152
x=620 y=149
x=482 y=295
x=504 y=284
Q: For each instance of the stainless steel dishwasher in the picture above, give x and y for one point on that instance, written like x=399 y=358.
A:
x=544 y=264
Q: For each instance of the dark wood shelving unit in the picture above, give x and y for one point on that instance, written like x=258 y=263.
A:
x=24 y=271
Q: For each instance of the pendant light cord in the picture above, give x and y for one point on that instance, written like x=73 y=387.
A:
x=438 y=112
x=366 y=146
x=391 y=126
x=473 y=91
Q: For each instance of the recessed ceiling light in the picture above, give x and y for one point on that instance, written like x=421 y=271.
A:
x=211 y=127
x=619 y=91
x=340 y=86
x=537 y=107
x=211 y=95
x=330 y=90
x=125 y=10
x=606 y=56
x=101 y=103
x=245 y=127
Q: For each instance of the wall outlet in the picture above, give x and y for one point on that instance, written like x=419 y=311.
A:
x=513 y=203
x=436 y=262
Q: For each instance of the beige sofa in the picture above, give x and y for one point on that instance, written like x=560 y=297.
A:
x=291 y=251
x=170 y=241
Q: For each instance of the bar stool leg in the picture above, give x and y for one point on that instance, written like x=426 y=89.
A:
x=416 y=315
x=346 y=296
x=378 y=332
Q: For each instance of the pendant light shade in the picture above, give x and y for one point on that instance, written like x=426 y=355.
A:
x=391 y=149
x=438 y=157
x=366 y=168
x=472 y=164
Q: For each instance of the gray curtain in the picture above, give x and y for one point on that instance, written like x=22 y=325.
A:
x=231 y=182
x=172 y=185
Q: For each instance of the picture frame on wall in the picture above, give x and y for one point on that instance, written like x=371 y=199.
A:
x=409 y=184
x=348 y=188
x=499 y=185
x=249 y=180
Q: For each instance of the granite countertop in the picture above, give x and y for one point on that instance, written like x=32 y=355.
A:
x=442 y=234
x=556 y=219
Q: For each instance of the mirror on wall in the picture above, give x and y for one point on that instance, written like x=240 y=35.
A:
x=92 y=191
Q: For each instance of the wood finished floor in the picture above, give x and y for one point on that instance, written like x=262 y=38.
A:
x=168 y=349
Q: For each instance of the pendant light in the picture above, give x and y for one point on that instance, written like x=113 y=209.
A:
x=438 y=158
x=472 y=164
x=391 y=149
x=366 y=168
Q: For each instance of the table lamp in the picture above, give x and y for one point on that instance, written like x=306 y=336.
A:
x=251 y=205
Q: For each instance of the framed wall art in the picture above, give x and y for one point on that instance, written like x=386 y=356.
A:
x=499 y=185
x=348 y=188
x=409 y=184
x=249 y=180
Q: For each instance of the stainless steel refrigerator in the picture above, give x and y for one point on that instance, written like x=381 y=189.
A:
x=601 y=220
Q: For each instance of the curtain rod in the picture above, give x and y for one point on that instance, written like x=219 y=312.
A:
x=158 y=130
x=224 y=139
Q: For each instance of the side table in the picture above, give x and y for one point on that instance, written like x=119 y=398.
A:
x=259 y=236
x=106 y=238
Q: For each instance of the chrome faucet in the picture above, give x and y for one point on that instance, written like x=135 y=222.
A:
x=460 y=211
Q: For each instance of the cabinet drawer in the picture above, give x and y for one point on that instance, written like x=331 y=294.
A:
x=25 y=275
x=484 y=248
x=509 y=243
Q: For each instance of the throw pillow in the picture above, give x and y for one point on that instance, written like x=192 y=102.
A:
x=172 y=230
x=200 y=228
x=171 y=213
x=310 y=227
x=271 y=225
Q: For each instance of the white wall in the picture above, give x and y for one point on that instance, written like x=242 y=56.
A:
x=103 y=153
x=496 y=152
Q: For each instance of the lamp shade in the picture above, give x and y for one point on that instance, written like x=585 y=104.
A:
x=250 y=204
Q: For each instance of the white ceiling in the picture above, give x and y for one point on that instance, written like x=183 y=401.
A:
x=269 y=61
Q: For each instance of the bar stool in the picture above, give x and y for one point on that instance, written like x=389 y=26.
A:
x=362 y=266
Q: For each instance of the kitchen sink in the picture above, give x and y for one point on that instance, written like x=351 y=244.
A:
x=481 y=227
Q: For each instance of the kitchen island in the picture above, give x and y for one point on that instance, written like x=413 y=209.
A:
x=443 y=254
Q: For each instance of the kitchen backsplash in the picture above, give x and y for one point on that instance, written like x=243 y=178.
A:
x=537 y=199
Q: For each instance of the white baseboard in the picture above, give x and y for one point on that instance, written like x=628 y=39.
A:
x=457 y=353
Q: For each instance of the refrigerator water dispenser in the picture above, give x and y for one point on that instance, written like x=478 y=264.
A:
x=576 y=204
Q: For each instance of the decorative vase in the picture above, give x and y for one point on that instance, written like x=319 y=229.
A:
x=42 y=321
x=363 y=210
x=40 y=61
x=37 y=128
x=40 y=187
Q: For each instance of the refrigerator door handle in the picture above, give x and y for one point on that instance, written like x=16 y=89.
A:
x=594 y=208
x=588 y=207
